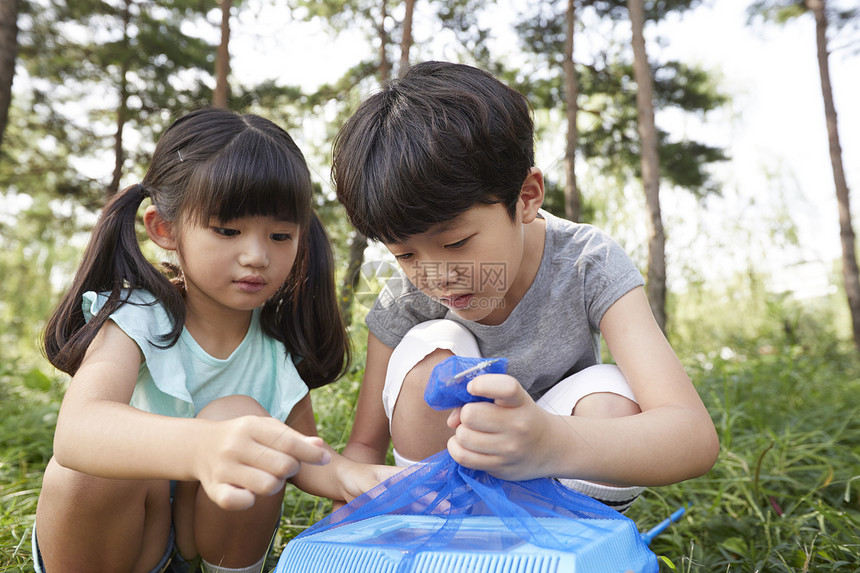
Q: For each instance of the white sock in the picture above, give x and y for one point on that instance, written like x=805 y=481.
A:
x=255 y=568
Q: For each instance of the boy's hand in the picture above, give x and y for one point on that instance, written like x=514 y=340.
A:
x=241 y=458
x=509 y=438
x=357 y=478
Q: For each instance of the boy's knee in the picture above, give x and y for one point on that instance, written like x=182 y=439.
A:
x=229 y=407
x=416 y=379
x=410 y=407
x=599 y=391
x=420 y=350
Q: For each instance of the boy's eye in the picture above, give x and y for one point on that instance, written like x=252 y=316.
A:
x=403 y=257
x=225 y=232
x=457 y=245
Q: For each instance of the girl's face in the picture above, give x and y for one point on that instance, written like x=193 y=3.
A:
x=237 y=264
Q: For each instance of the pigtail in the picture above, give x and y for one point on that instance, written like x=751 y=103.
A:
x=308 y=319
x=111 y=263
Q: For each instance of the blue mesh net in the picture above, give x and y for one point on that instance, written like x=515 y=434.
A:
x=447 y=386
x=440 y=507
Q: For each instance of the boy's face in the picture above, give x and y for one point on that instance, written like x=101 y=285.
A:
x=470 y=264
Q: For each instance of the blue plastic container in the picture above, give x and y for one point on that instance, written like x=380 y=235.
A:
x=480 y=544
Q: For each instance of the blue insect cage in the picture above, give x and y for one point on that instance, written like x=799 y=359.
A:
x=440 y=517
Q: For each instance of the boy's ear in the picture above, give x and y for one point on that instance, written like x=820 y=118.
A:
x=159 y=230
x=532 y=194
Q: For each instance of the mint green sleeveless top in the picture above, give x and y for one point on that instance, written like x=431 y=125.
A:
x=179 y=381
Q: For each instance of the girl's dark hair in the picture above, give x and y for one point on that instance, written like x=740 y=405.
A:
x=213 y=163
x=429 y=147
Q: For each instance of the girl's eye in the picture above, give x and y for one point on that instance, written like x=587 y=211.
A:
x=280 y=237
x=223 y=231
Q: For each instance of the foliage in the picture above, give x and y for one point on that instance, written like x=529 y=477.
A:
x=784 y=495
x=34 y=252
x=608 y=126
x=775 y=373
x=841 y=13
x=29 y=402
x=97 y=68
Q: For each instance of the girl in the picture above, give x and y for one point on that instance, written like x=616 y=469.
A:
x=189 y=380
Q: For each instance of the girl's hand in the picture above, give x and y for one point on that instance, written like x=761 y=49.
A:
x=511 y=437
x=241 y=458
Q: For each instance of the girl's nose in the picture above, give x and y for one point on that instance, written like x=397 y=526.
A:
x=254 y=253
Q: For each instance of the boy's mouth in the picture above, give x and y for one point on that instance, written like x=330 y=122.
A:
x=459 y=301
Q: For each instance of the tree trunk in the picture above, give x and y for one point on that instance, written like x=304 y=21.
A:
x=122 y=108
x=846 y=230
x=572 y=204
x=222 y=59
x=406 y=39
x=8 y=55
x=358 y=242
x=384 y=65
x=357 y=245
x=656 y=280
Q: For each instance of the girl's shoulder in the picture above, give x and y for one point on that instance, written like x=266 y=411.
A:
x=140 y=314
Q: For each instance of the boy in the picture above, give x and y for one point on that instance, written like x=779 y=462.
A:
x=439 y=167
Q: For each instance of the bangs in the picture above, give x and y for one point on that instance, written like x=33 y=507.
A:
x=251 y=177
x=409 y=186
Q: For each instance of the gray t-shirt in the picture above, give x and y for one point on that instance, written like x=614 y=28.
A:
x=554 y=330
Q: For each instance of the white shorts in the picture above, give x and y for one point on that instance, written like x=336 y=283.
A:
x=561 y=399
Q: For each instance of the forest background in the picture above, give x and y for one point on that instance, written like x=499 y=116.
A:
x=748 y=253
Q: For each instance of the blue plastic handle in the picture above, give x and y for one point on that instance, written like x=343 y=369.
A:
x=649 y=535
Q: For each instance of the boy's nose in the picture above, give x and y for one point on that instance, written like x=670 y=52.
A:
x=448 y=276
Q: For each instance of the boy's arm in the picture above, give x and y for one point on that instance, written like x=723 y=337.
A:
x=673 y=439
x=370 y=436
x=342 y=479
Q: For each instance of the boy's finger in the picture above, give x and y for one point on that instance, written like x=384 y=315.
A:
x=454 y=419
x=502 y=389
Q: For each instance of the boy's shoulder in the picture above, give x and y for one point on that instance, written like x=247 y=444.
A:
x=567 y=239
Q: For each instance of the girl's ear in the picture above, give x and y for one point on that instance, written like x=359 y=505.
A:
x=160 y=231
x=532 y=194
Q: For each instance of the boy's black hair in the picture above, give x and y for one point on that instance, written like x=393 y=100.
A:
x=430 y=146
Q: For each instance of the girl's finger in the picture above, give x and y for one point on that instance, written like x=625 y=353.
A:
x=255 y=480
x=230 y=497
x=272 y=461
x=305 y=449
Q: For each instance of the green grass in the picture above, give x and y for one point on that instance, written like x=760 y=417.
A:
x=29 y=402
x=784 y=495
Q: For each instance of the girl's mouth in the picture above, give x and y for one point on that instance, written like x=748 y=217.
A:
x=251 y=284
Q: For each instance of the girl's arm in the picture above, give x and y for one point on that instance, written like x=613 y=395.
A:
x=370 y=436
x=342 y=479
x=673 y=439
x=99 y=433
